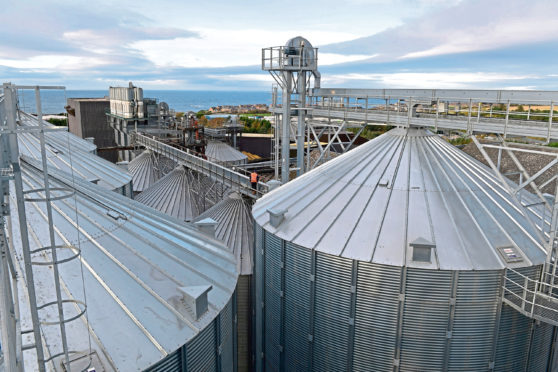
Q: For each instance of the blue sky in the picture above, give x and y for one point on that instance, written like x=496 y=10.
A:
x=216 y=45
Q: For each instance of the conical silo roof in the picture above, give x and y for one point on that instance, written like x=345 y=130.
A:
x=83 y=164
x=235 y=228
x=405 y=188
x=220 y=152
x=146 y=169
x=175 y=194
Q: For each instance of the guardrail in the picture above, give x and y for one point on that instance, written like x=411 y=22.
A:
x=224 y=175
x=535 y=299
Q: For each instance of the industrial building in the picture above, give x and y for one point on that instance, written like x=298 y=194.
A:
x=399 y=254
x=87 y=119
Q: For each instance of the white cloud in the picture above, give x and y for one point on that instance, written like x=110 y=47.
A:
x=55 y=62
x=326 y=59
x=227 y=48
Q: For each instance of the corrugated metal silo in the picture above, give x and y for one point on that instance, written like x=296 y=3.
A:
x=392 y=258
x=146 y=277
x=146 y=169
x=235 y=227
x=174 y=194
x=221 y=153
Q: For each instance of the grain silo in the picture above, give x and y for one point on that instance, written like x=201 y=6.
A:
x=160 y=295
x=175 y=194
x=234 y=226
x=221 y=153
x=392 y=258
x=146 y=169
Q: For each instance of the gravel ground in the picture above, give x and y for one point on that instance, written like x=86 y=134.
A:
x=531 y=162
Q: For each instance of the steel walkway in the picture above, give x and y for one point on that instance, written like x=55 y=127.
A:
x=235 y=180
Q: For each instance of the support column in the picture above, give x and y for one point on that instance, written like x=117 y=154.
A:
x=301 y=123
x=286 y=127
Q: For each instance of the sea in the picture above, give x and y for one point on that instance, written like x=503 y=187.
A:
x=53 y=101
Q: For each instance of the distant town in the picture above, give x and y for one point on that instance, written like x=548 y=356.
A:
x=240 y=109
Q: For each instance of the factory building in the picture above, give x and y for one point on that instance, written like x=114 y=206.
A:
x=87 y=119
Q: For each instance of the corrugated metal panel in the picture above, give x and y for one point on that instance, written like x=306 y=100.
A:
x=226 y=335
x=332 y=309
x=369 y=203
x=174 y=194
x=171 y=363
x=84 y=165
x=541 y=347
x=235 y=227
x=221 y=153
x=474 y=320
x=61 y=140
x=513 y=341
x=200 y=352
x=272 y=309
x=425 y=319
x=298 y=261
x=376 y=316
x=259 y=293
x=244 y=322
x=143 y=170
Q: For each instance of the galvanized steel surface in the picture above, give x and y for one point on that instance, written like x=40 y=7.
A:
x=84 y=165
x=235 y=228
x=174 y=194
x=221 y=153
x=62 y=139
x=371 y=203
x=134 y=259
x=319 y=312
x=146 y=169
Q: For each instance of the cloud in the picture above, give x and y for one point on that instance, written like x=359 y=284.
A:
x=227 y=47
x=468 y=26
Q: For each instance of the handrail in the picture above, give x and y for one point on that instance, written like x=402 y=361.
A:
x=219 y=173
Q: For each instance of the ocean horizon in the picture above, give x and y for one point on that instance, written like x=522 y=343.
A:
x=53 y=101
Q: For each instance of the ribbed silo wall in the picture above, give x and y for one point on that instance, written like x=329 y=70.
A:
x=244 y=323
x=318 y=312
x=213 y=349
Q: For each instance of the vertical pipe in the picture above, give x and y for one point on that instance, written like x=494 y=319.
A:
x=301 y=123
x=18 y=182
x=285 y=127
x=437 y=115
x=550 y=115
x=507 y=119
